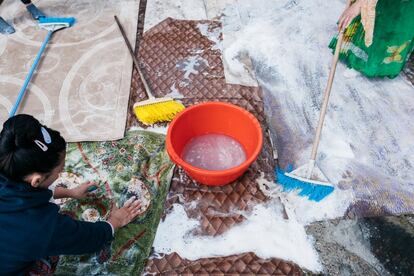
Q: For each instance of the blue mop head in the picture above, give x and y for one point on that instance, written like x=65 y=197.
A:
x=313 y=191
x=56 y=23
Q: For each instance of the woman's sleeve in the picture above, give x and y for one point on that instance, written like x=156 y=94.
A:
x=368 y=19
x=73 y=237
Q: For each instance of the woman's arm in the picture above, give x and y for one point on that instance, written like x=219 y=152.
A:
x=73 y=237
x=349 y=14
x=365 y=8
x=79 y=192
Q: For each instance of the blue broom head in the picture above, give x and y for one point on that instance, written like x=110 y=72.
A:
x=56 y=23
x=315 y=192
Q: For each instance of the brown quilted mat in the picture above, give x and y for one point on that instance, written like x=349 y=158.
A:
x=246 y=264
x=164 y=52
x=168 y=47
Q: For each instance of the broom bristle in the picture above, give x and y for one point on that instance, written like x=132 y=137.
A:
x=312 y=191
x=158 y=111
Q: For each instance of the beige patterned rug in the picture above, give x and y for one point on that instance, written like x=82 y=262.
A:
x=83 y=81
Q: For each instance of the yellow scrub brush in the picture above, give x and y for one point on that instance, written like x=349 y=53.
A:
x=154 y=109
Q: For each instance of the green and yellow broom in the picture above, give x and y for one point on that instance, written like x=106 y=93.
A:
x=154 y=109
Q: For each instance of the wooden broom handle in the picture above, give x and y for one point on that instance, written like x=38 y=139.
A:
x=327 y=92
x=136 y=63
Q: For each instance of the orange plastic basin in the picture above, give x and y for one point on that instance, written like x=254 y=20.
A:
x=219 y=118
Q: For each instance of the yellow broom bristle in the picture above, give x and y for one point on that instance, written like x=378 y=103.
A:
x=158 y=112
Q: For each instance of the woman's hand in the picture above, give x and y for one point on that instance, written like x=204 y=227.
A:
x=349 y=14
x=82 y=191
x=79 y=192
x=120 y=217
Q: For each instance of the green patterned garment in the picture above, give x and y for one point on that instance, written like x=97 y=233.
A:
x=136 y=165
x=393 y=40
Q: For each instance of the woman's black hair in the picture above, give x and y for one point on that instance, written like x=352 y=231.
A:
x=21 y=147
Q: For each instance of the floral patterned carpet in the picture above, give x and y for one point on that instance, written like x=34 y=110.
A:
x=137 y=165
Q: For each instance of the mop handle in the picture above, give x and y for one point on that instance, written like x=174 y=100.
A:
x=136 y=62
x=327 y=92
x=29 y=75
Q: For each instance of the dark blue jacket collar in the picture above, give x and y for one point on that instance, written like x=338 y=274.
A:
x=18 y=196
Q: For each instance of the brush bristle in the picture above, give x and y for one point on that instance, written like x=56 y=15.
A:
x=313 y=191
x=158 y=112
x=59 y=21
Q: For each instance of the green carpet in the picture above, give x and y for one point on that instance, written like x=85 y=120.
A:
x=136 y=165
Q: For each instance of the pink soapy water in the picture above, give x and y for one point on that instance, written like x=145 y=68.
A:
x=214 y=152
